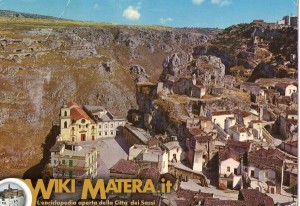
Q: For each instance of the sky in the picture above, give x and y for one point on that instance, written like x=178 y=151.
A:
x=173 y=13
x=12 y=185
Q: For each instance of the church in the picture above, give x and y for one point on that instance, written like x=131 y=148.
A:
x=87 y=123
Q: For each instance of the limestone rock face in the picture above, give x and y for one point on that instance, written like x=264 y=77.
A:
x=210 y=66
x=139 y=73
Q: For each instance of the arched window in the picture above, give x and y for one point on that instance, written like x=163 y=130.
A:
x=66 y=113
x=65 y=125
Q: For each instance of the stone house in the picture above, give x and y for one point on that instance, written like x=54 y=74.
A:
x=154 y=154
x=290 y=174
x=230 y=169
x=107 y=124
x=124 y=169
x=250 y=88
x=201 y=122
x=271 y=95
x=253 y=197
x=241 y=147
x=291 y=114
x=70 y=160
x=229 y=81
x=244 y=117
x=134 y=135
x=290 y=146
x=286 y=89
x=287 y=128
x=246 y=197
x=283 y=102
x=265 y=170
x=175 y=151
x=188 y=197
x=201 y=148
x=187 y=86
x=257 y=128
x=219 y=117
x=240 y=133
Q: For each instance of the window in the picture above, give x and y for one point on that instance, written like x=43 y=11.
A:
x=99 y=126
x=73 y=128
x=111 y=133
x=63 y=162
x=63 y=173
x=54 y=162
x=83 y=121
x=70 y=173
x=65 y=125
x=71 y=163
x=228 y=169
x=105 y=133
x=111 y=125
x=79 y=126
x=66 y=113
x=105 y=126
x=235 y=171
x=93 y=127
x=87 y=125
x=266 y=174
x=120 y=123
x=100 y=133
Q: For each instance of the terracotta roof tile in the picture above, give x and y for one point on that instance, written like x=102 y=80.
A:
x=219 y=113
x=228 y=153
x=125 y=167
x=197 y=132
x=77 y=112
x=268 y=153
x=168 y=176
x=218 y=202
x=253 y=197
x=291 y=112
x=149 y=173
x=238 y=128
x=242 y=113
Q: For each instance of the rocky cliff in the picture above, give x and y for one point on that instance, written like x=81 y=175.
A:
x=256 y=50
x=46 y=61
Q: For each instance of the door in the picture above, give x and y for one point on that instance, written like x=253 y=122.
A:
x=229 y=184
x=82 y=137
x=272 y=190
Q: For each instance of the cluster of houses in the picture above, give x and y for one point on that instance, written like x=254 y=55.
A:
x=236 y=143
x=240 y=143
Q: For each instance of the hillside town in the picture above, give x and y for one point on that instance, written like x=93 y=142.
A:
x=196 y=127
x=12 y=197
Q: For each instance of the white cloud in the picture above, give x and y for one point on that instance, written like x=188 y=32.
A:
x=221 y=2
x=198 y=2
x=165 y=20
x=132 y=13
x=96 y=6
